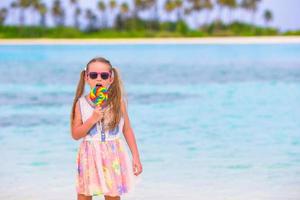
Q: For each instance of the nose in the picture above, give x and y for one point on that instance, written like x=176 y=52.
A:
x=99 y=80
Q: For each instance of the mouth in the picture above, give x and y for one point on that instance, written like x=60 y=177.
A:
x=98 y=85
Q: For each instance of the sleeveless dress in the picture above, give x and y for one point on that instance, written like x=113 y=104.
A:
x=103 y=164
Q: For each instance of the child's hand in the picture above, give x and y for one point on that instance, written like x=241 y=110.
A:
x=98 y=114
x=137 y=166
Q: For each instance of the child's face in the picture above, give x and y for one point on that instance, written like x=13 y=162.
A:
x=98 y=67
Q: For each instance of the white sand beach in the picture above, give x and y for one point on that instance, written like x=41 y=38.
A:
x=118 y=41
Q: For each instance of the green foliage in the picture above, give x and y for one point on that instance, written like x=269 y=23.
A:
x=182 y=27
x=37 y=32
x=136 y=28
x=128 y=22
x=237 y=29
x=292 y=32
x=168 y=26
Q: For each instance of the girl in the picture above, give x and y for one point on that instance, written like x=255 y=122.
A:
x=104 y=166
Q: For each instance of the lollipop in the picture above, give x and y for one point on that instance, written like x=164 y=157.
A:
x=99 y=95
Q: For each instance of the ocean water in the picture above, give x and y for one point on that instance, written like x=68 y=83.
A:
x=212 y=122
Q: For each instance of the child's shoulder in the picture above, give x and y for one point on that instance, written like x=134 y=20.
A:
x=123 y=105
x=79 y=102
x=82 y=98
x=124 y=100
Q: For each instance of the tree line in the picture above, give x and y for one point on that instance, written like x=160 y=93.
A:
x=128 y=16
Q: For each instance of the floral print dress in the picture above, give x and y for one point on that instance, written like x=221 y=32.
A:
x=103 y=164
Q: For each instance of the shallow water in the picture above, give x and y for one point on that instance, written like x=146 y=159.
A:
x=211 y=121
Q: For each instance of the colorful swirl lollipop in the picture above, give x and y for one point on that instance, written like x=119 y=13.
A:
x=99 y=95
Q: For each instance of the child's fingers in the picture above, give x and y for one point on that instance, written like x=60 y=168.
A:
x=99 y=113
x=137 y=169
x=137 y=172
x=98 y=108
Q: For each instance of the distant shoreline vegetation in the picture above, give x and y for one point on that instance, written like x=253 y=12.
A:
x=126 y=21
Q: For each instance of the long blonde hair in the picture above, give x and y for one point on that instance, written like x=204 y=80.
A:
x=116 y=93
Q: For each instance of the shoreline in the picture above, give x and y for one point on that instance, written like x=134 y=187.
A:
x=119 y=41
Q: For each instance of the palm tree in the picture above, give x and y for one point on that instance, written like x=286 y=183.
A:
x=102 y=8
x=155 y=11
x=75 y=12
x=137 y=4
x=149 y=4
x=58 y=13
x=42 y=10
x=140 y=5
x=23 y=5
x=187 y=11
x=250 y=5
x=112 y=7
x=92 y=19
x=230 y=4
x=208 y=6
x=197 y=7
x=221 y=4
x=3 y=15
x=112 y=4
x=268 y=16
x=121 y=16
x=13 y=6
x=124 y=9
x=152 y=5
x=178 y=7
x=169 y=7
x=35 y=6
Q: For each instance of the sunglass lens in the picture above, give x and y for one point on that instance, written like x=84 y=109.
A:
x=93 y=75
x=104 y=75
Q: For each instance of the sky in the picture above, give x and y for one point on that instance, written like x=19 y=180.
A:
x=285 y=12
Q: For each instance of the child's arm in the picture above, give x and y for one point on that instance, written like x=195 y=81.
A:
x=80 y=129
x=129 y=135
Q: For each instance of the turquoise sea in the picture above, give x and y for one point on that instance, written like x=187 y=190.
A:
x=212 y=122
